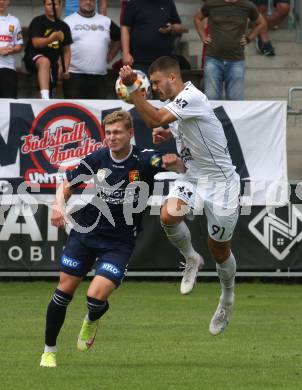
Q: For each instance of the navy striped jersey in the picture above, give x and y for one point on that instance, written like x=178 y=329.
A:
x=118 y=186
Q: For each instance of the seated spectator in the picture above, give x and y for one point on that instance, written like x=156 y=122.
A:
x=148 y=31
x=46 y=40
x=273 y=18
x=10 y=44
x=72 y=6
x=96 y=42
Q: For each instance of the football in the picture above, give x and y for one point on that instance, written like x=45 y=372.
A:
x=144 y=86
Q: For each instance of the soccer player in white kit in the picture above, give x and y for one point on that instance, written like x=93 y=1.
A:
x=210 y=183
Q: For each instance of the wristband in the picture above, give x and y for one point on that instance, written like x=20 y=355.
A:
x=132 y=88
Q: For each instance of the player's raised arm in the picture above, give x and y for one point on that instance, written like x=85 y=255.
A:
x=151 y=116
x=64 y=192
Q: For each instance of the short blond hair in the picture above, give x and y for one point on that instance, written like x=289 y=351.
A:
x=119 y=116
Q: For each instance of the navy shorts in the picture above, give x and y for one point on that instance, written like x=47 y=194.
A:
x=110 y=255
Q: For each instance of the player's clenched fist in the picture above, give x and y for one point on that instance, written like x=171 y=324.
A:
x=171 y=162
x=127 y=75
x=57 y=216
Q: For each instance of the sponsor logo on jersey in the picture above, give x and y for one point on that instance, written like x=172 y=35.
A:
x=134 y=176
x=156 y=161
x=186 y=155
x=111 y=268
x=70 y=262
x=11 y=28
x=180 y=103
x=101 y=174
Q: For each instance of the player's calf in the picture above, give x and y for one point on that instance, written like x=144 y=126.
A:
x=96 y=309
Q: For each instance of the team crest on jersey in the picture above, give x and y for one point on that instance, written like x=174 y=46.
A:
x=155 y=161
x=101 y=174
x=133 y=175
x=11 y=28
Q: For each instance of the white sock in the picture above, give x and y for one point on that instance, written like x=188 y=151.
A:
x=44 y=94
x=50 y=349
x=226 y=272
x=179 y=235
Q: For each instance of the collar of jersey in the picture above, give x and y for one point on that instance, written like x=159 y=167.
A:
x=124 y=159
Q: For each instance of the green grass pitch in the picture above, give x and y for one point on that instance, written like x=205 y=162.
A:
x=155 y=339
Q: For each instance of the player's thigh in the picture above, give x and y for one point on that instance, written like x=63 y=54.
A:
x=112 y=262
x=77 y=259
x=221 y=221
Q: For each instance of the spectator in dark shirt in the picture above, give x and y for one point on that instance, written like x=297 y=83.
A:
x=228 y=35
x=46 y=39
x=148 y=31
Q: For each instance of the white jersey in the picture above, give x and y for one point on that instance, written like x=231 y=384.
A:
x=200 y=138
x=10 y=35
x=91 y=39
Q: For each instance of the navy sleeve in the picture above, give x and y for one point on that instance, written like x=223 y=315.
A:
x=83 y=172
x=115 y=32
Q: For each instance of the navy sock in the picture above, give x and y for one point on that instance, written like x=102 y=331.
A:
x=96 y=308
x=55 y=316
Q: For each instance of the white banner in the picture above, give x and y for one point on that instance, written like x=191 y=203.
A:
x=38 y=137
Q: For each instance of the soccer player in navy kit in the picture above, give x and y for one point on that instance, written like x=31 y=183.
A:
x=102 y=230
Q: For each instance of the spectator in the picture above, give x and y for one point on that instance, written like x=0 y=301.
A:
x=224 y=62
x=96 y=42
x=273 y=19
x=10 y=44
x=72 y=6
x=46 y=40
x=148 y=31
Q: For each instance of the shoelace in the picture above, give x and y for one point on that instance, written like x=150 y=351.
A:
x=187 y=268
x=221 y=315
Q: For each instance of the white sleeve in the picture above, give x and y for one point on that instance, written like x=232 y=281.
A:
x=18 y=39
x=189 y=104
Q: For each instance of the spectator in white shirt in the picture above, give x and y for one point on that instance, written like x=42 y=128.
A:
x=96 y=41
x=10 y=44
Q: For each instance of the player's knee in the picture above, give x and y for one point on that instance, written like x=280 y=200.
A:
x=168 y=219
x=220 y=251
x=96 y=308
x=61 y=299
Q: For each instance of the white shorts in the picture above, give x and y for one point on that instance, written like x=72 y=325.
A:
x=218 y=200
